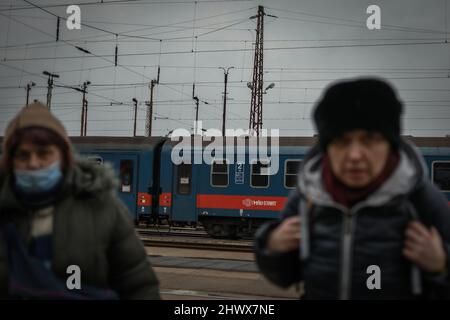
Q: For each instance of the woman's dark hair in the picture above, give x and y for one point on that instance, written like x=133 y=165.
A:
x=39 y=136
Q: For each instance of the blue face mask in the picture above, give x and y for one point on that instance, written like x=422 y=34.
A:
x=38 y=181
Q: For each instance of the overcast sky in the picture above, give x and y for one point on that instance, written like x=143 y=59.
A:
x=310 y=44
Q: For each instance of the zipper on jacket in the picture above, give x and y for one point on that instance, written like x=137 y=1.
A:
x=346 y=256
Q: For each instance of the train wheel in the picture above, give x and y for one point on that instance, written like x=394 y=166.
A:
x=213 y=230
x=231 y=232
x=216 y=230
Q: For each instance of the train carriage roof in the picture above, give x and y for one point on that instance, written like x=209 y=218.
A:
x=283 y=141
x=117 y=142
x=151 y=142
x=310 y=141
x=431 y=142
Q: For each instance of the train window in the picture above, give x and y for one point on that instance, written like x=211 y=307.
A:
x=184 y=178
x=259 y=179
x=441 y=175
x=126 y=176
x=290 y=172
x=219 y=173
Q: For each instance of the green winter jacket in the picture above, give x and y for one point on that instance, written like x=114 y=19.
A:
x=92 y=229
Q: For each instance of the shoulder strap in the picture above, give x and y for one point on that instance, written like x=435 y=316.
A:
x=416 y=214
x=305 y=206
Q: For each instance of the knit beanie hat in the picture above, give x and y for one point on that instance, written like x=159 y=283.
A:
x=366 y=103
x=35 y=115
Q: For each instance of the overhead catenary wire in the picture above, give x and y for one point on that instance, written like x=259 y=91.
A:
x=94 y=27
x=268 y=80
x=113 y=2
x=406 y=70
x=90 y=54
x=234 y=50
x=364 y=26
x=46 y=44
x=356 y=23
x=7 y=34
x=103 y=57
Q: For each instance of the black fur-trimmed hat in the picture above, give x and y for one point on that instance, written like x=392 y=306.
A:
x=364 y=103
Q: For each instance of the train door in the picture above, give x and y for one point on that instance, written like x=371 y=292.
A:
x=125 y=166
x=184 y=194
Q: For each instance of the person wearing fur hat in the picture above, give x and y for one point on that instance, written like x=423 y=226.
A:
x=64 y=233
x=364 y=221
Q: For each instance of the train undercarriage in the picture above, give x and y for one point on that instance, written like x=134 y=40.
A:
x=215 y=227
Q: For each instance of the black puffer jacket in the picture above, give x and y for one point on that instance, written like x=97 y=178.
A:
x=338 y=244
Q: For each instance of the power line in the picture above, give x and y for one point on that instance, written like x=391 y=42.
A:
x=35 y=45
x=130 y=70
x=239 y=21
x=360 y=24
x=228 y=50
x=399 y=69
x=91 y=54
x=176 y=23
x=110 y=32
x=65 y=19
x=108 y=87
x=121 y=2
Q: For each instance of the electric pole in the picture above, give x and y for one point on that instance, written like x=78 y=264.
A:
x=148 y=127
x=28 y=88
x=135 y=103
x=225 y=72
x=256 y=109
x=83 y=90
x=84 y=109
x=49 y=86
x=196 y=114
x=149 y=104
x=197 y=101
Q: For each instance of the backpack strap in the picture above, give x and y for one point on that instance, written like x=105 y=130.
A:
x=305 y=206
x=416 y=276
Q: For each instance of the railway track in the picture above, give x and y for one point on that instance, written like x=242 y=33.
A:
x=172 y=233
x=185 y=243
x=188 y=240
x=183 y=232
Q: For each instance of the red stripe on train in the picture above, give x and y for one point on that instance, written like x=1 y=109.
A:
x=240 y=202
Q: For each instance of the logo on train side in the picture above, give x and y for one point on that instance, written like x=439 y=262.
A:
x=267 y=203
x=247 y=202
x=259 y=203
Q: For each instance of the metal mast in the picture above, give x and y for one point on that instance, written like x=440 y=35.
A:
x=256 y=109
x=149 y=104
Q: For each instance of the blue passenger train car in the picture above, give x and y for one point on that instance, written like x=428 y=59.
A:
x=228 y=195
x=136 y=162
